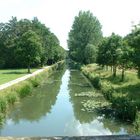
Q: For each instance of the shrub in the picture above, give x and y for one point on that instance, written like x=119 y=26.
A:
x=96 y=81
x=35 y=81
x=125 y=108
x=25 y=90
x=107 y=91
x=137 y=124
x=3 y=104
x=12 y=98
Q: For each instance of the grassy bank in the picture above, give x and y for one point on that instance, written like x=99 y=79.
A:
x=7 y=75
x=14 y=93
x=123 y=96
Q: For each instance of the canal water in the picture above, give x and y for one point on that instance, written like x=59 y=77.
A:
x=54 y=110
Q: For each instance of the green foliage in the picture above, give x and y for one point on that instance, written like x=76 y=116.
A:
x=12 y=98
x=36 y=81
x=29 y=48
x=12 y=94
x=124 y=101
x=3 y=104
x=28 y=41
x=25 y=90
x=90 y=54
x=125 y=108
x=109 y=52
x=137 y=124
x=86 y=29
x=94 y=78
x=134 y=41
x=107 y=90
x=74 y=65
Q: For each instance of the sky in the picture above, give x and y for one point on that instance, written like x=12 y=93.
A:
x=116 y=16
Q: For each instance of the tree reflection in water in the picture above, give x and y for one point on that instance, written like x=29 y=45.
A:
x=77 y=84
x=34 y=107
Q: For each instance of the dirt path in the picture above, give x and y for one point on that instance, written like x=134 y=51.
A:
x=13 y=82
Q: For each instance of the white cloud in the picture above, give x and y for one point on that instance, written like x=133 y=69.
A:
x=114 y=15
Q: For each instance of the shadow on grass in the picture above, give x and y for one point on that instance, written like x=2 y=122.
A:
x=131 y=90
x=116 y=80
x=15 y=72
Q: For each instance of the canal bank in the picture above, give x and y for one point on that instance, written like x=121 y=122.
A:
x=13 y=91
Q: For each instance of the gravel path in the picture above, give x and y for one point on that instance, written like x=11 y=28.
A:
x=13 y=82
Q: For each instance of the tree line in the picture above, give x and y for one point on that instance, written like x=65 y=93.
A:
x=26 y=43
x=87 y=45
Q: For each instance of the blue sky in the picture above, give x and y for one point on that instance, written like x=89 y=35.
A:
x=114 y=15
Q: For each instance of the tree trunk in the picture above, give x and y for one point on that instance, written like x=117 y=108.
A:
x=29 y=70
x=114 y=71
x=111 y=69
x=106 y=68
x=139 y=72
x=123 y=71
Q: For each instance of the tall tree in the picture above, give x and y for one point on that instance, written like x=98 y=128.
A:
x=90 y=54
x=134 y=41
x=29 y=48
x=125 y=58
x=86 y=29
x=109 y=52
x=114 y=45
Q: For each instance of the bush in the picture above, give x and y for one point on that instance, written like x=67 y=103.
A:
x=25 y=90
x=125 y=108
x=12 y=97
x=137 y=124
x=35 y=81
x=107 y=91
x=3 y=104
x=96 y=81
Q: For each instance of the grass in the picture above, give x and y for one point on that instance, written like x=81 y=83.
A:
x=130 y=86
x=7 y=75
x=124 y=96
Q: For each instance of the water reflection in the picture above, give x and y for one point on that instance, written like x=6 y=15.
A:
x=93 y=123
x=53 y=110
x=40 y=103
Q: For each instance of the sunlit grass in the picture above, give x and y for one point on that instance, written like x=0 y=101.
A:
x=7 y=75
x=130 y=85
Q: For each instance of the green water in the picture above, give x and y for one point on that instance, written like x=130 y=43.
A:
x=53 y=110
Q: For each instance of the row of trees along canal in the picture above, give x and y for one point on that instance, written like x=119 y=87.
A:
x=27 y=43
x=87 y=45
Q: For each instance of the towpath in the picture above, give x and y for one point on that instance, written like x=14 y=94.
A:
x=13 y=82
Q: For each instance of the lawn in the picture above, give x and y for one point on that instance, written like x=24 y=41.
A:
x=7 y=75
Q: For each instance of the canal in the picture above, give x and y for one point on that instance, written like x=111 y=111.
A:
x=54 y=110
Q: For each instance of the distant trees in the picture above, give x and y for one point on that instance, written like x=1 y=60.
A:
x=28 y=42
x=86 y=29
x=114 y=51
x=134 y=41
x=109 y=52
x=124 y=53
x=86 y=45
